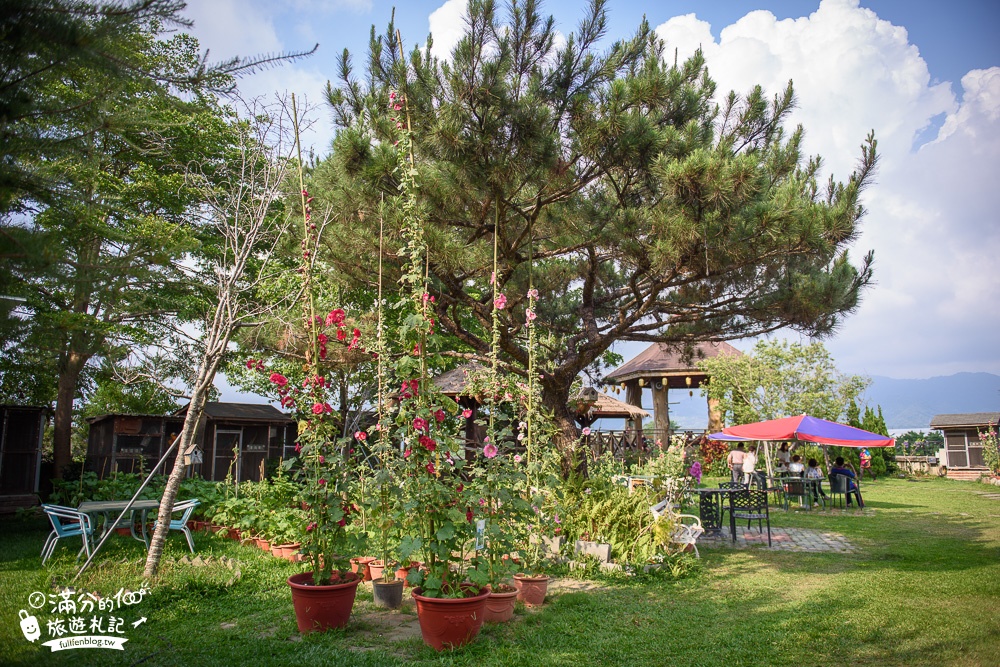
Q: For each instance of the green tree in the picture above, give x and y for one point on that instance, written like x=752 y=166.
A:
x=114 y=234
x=609 y=181
x=780 y=379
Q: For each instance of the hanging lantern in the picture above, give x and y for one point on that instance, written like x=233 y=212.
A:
x=642 y=382
x=687 y=381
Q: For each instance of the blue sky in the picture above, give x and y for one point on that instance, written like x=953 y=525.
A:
x=924 y=75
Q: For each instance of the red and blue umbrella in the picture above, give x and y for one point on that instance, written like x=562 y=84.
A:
x=806 y=429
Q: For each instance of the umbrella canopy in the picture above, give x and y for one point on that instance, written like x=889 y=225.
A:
x=807 y=429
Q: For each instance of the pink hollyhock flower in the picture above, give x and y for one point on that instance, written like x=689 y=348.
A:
x=322 y=459
x=482 y=502
x=310 y=527
x=406 y=454
x=530 y=314
x=322 y=482
x=586 y=430
x=500 y=302
x=419 y=424
x=317 y=408
x=517 y=458
x=557 y=519
x=361 y=435
x=439 y=416
x=466 y=413
x=298 y=448
x=279 y=379
x=532 y=294
x=489 y=450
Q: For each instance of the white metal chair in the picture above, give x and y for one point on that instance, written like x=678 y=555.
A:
x=66 y=522
x=687 y=527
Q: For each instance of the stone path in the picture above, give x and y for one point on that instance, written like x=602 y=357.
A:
x=782 y=539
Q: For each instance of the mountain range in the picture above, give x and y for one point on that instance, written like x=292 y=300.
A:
x=906 y=404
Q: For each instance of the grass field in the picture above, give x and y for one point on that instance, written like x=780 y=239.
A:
x=923 y=589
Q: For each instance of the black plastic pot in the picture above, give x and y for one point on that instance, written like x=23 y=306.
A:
x=388 y=594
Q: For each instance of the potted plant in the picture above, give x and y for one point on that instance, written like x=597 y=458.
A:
x=324 y=595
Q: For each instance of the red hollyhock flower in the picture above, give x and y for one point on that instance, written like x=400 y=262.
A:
x=430 y=468
x=341 y=334
x=406 y=454
x=429 y=443
x=440 y=416
x=279 y=379
x=317 y=408
x=420 y=424
x=468 y=516
x=342 y=522
x=336 y=316
x=361 y=435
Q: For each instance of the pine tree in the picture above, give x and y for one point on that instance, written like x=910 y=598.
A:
x=638 y=208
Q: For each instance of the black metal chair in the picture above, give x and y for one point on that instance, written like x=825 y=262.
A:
x=795 y=488
x=751 y=504
x=838 y=487
x=725 y=505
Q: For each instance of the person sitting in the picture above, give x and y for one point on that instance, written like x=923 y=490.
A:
x=815 y=472
x=795 y=467
x=839 y=468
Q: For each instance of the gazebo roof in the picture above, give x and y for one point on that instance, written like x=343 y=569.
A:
x=608 y=406
x=661 y=360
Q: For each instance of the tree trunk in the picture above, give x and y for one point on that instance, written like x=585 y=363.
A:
x=573 y=459
x=206 y=377
x=69 y=376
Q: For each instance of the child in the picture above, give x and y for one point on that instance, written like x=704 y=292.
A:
x=866 y=463
x=815 y=472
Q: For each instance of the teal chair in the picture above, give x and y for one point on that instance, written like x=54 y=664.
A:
x=66 y=522
x=185 y=508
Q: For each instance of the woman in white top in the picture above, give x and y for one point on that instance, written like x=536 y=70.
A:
x=795 y=467
x=784 y=457
x=749 y=464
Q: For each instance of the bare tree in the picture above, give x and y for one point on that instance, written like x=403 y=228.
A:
x=242 y=205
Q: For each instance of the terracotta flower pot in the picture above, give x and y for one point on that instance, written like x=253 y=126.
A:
x=361 y=565
x=262 y=544
x=319 y=608
x=233 y=534
x=123 y=530
x=287 y=551
x=500 y=605
x=531 y=590
x=377 y=569
x=450 y=623
x=404 y=572
x=388 y=594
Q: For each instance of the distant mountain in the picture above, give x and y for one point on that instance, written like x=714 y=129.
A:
x=905 y=403
x=913 y=403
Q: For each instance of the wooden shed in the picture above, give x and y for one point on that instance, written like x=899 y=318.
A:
x=963 y=450
x=21 y=430
x=232 y=437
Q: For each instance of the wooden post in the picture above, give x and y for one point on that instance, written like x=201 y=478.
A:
x=633 y=396
x=714 y=416
x=661 y=414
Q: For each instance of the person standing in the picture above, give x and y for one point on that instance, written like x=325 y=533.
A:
x=735 y=462
x=784 y=458
x=749 y=465
x=866 y=463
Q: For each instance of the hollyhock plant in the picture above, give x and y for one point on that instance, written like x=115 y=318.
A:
x=321 y=461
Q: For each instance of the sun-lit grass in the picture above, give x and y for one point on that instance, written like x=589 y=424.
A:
x=923 y=589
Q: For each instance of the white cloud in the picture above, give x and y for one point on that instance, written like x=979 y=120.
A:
x=448 y=26
x=931 y=211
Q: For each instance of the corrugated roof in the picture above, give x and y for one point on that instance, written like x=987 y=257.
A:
x=662 y=358
x=966 y=419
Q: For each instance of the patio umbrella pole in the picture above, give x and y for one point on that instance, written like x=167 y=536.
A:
x=128 y=507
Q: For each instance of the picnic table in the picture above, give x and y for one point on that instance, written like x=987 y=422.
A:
x=110 y=509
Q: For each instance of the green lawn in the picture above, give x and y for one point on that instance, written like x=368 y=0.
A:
x=923 y=589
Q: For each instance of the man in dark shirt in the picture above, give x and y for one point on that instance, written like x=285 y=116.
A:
x=852 y=487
